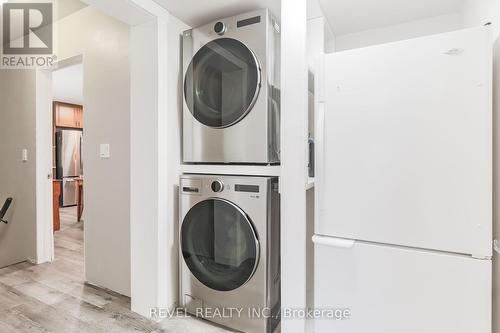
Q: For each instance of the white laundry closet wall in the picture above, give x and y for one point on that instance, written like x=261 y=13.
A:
x=104 y=43
x=413 y=29
x=478 y=13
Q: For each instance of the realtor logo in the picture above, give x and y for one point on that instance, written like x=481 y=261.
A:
x=27 y=35
x=27 y=28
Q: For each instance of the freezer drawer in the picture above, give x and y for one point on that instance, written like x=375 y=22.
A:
x=70 y=192
x=393 y=290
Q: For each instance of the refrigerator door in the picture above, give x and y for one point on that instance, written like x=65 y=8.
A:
x=70 y=192
x=70 y=154
x=406 y=150
x=389 y=289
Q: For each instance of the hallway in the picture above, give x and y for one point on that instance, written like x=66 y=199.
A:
x=53 y=297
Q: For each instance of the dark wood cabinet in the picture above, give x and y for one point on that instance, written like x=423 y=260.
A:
x=56 y=190
x=80 y=200
x=68 y=115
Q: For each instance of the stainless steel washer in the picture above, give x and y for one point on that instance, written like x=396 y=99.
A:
x=232 y=91
x=230 y=250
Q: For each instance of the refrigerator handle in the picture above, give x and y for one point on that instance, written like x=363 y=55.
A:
x=333 y=242
x=81 y=155
x=319 y=162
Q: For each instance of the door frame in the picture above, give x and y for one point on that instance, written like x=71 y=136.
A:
x=44 y=163
x=44 y=172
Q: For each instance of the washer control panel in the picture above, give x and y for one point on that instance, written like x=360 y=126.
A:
x=223 y=186
x=217 y=186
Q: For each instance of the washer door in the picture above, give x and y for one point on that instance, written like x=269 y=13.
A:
x=219 y=244
x=222 y=83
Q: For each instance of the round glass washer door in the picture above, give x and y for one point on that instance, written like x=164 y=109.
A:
x=222 y=83
x=219 y=244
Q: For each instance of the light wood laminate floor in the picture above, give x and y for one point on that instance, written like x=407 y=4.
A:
x=53 y=297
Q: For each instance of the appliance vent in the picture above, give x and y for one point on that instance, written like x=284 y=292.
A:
x=248 y=21
x=246 y=188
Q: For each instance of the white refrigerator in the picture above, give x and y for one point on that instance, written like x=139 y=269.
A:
x=403 y=231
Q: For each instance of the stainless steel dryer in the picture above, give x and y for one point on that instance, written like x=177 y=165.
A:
x=232 y=91
x=230 y=250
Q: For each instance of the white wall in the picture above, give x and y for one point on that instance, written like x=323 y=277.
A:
x=320 y=37
x=156 y=97
x=496 y=185
x=67 y=84
x=156 y=156
x=294 y=100
x=477 y=13
x=17 y=178
x=316 y=39
x=20 y=112
x=433 y=25
x=144 y=187
x=104 y=43
x=319 y=31
x=331 y=44
x=175 y=105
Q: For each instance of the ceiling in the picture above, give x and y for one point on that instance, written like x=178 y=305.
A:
x=65 y=8
x=344 y=16
x=198 y=12
x=67 y=84
x=348 y=16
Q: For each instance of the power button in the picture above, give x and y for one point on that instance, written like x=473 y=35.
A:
x=217 y=186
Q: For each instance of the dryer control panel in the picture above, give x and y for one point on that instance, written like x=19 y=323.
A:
x=211 y=185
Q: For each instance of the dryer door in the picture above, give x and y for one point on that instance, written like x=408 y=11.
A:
x=222 y=83
x=219 y=244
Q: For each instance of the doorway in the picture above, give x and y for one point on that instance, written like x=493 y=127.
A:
x=67 y=158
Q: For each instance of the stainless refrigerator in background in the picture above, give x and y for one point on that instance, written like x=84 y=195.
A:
x=69 y=163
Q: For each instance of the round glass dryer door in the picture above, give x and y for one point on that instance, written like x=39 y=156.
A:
x=219 y=244
x=222 y=83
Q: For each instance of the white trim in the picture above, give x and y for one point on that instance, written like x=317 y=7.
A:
x=151 y=169
x=43 y=163
x=68 y=62
x=250 y=170
x=294 y=160
x=333 y=241
x=44 y=195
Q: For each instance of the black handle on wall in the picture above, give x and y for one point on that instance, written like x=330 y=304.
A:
x=4 y=210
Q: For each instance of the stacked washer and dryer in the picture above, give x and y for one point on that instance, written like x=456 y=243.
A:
x=230 y=225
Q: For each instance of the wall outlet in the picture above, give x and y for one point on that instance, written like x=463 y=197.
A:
x=24 y=155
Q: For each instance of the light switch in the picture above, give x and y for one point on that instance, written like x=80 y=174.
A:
x=24 y=155
x=104 y=150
